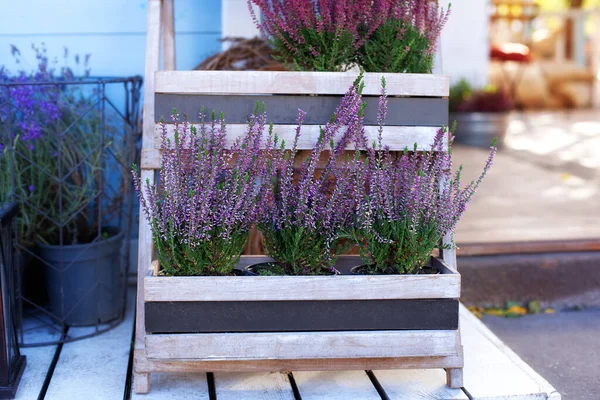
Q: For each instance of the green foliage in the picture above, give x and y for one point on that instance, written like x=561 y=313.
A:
x=395 y=247
x=458 y=93
x=299 y=250
x=212 y=257
x=320 y=51
x=388 y=50
x=57 y=180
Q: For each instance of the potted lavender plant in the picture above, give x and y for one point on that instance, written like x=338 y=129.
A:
x=379 y=36
x=54 y=149
x=401 y=214
x=308 y=209
x=209 y=198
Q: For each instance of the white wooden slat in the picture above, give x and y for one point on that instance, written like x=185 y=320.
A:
x=287 y=82
x=494 y=371
x=176 y=386
x=284 y=288
x=335 y=385
x=396 y=137
x=99 y=362
x=38 y=359
x=145 y=235
x=168 y=25
x=253 y=386
x=417 y=384
x=301 y=345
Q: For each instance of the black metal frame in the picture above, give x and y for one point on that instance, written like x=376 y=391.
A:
x=12 y=363
x=34 y=316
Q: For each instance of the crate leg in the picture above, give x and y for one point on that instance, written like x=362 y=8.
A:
x=141 y=382
x=454 y=377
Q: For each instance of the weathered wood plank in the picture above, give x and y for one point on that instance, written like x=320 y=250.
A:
x=253 y=386
x=318 y=364
x=287 y=288
x=301 y=345
x=168 y=33
x=286 y=82
x=145 y=235
x=335 y=385
x=300 y=316
x=283 y=109
x=176 y=386
x=100 y=380
x=500 y=374
x=396 y=137
x=417 y=384
x=38 y=358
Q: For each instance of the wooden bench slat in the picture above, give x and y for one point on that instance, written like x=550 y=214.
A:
x=417 y=384
x=253 y=386
x=335 y=385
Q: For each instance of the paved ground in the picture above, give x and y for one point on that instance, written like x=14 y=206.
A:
x=543 y=186
x=564 y=348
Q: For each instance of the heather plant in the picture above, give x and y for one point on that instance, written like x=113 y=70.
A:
x=406 y=40
x=209 y=196
x=407 y=202
x=308 y=210
x=318 y=35
x=50 y=151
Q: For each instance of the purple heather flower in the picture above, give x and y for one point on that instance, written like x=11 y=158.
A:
x=31 y=188
x=407 y=202
x=207 y=200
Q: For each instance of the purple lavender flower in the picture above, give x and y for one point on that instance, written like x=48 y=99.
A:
x=209 y=195
x=407 y=202
x=309 y=208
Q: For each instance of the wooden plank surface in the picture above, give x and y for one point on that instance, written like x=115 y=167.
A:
x=168 y=33
x=178 y=365
x=286 y=288
x=283 y=109
x=96 y=367
x=417 y=384
x=175 y=386
x=253 y=386
x=38 y=358
x=301 y=345
x=286 y=82
x=335 y=385
x=536 y=246
x=396 y=137
x=494 y=371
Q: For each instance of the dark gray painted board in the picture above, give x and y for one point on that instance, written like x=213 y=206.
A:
x=283 y=109
x=301 y=316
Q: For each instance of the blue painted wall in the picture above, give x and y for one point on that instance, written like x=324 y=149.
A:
x=113 y=31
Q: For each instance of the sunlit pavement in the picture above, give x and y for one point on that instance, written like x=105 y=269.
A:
x=544 y=186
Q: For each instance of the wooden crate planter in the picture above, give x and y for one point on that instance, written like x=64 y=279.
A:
x=387 y=303
x=290 y=323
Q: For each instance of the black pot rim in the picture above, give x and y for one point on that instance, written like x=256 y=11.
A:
x=353 y=271
x=250 y=268
x=114 y=238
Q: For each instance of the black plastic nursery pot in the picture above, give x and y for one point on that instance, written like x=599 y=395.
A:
x=83 y=281
x=300 y=303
